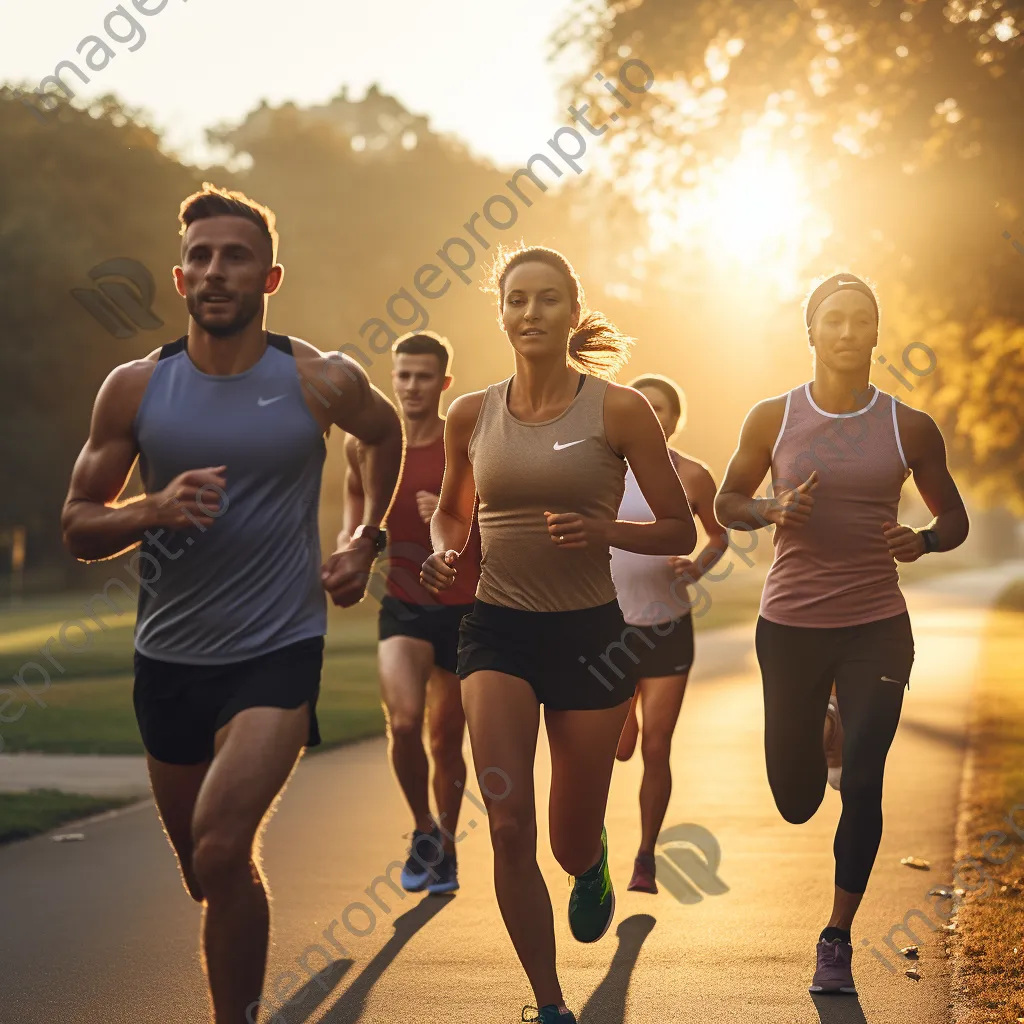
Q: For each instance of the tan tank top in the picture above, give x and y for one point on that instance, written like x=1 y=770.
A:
x=523 y=470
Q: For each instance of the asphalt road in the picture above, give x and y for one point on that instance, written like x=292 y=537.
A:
x=101 y=930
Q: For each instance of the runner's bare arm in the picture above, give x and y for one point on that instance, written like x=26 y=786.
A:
x=95 y=525
x=361 y=410
x=354 y=499
x=453 y=519
x=700 y=490
x=736 y=507
x=925 y=451
x=633 y=430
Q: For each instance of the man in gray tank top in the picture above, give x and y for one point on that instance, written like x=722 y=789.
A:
x=228 y=424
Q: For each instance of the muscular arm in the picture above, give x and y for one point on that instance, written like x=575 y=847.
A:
x=354 y=500
x=95 y=525
x=736 y=505
x=361 y=410
x=926 y=456
x=633 y=429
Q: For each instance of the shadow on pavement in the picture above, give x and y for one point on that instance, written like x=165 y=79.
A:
x=349 y=1007
x=320 y=986
x=841 y=1009
x=955 y=738
x=607 y=1005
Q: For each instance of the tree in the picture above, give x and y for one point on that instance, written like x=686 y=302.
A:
x=903 y=119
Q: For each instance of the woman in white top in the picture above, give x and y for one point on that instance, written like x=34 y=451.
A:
x=652 y=593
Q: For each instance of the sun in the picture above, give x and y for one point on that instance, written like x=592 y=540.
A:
x=750 y=211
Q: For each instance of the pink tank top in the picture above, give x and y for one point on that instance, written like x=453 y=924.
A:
x=836 y=570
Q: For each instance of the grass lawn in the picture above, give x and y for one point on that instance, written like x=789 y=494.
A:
x=89 y=703
x=989 y=939
x=25 y=814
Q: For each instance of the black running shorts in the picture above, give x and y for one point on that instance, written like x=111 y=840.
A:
x=179 y=708
x=665 y=649
x=438 y=624
x=575 y=661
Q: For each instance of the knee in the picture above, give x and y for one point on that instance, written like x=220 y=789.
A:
x=514 y=840
x=218 y=859
x=656 y=748
x=446 y=748
x=797 y=804
x=405 y=724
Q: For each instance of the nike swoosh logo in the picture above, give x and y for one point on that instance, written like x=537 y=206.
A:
x=269 y=401
x=558 y=447
x=886 y=679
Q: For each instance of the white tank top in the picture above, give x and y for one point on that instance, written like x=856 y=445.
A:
x=643 y=583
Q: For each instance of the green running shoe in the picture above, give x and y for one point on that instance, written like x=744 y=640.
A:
x=548 y=1015
x=592 y=903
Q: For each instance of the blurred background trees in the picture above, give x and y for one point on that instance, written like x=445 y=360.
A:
x=780 y=140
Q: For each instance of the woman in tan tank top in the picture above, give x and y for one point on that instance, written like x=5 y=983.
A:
x=546 y=452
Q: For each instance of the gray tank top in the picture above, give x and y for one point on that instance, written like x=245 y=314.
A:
x=523 y=470
x=249 y=583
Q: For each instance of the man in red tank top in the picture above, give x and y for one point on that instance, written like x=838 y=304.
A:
x=832 y=614
x=418 y=630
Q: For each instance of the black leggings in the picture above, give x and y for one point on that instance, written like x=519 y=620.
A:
x=870 y=665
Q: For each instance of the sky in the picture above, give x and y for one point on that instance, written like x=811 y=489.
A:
x=477 y=69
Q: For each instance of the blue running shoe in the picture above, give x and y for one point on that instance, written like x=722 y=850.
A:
x=447 y=875
x=422 y=853
x=548 y=1015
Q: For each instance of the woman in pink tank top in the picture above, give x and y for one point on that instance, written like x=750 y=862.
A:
x=832 y=614
x=545 y=451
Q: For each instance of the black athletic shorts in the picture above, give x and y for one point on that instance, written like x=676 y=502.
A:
x=179 y=708
x=665 y=649
x=438 y=624
x=575 y=661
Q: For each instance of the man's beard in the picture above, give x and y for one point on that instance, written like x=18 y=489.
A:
x=249 y=307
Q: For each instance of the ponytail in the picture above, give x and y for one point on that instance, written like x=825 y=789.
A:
x=597 y=346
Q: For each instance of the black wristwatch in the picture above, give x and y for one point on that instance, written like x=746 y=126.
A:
x=377 y=534
x=931 y=540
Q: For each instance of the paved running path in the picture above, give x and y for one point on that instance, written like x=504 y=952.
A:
x=93 y=774
x=102 y=931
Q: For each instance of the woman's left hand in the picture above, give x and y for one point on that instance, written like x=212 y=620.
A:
x=570 y=530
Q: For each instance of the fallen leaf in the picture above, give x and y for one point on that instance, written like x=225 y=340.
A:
x=916 y=862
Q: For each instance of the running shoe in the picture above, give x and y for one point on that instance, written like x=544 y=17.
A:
x=592 y=903
x=643 y=875
x=835 y=972
x=548 y=1015
x=833 y=743
x=447 y=873
x=422 y=850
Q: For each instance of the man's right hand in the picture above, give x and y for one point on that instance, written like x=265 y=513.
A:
x=190 y=499
x=438 y=572
x=793 y=508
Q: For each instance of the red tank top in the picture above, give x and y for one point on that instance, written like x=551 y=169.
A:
x=409 y=537
x=836 y=570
